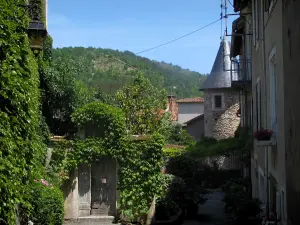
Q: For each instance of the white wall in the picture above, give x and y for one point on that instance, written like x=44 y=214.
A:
x=188 y=111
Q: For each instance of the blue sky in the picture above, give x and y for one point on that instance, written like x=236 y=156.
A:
x=136 y=25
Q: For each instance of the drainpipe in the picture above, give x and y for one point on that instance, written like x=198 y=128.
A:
x=265 y=107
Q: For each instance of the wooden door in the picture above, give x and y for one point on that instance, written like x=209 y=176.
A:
x=84 y=189
x=103 y=185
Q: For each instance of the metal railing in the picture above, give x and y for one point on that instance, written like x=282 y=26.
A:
x=241 y=70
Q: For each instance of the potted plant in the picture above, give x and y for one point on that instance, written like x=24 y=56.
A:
x=263 y=137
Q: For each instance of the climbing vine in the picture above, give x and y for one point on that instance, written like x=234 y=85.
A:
x=139 y=159
x=21 y=146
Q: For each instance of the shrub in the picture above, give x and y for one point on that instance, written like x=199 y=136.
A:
x=47 y=203
x=239 y=202
x=169 y=152
x=171 y=198
x=182 y=166
x=178 y=136
x=165 y=208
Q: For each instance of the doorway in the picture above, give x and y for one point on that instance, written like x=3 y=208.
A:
x=97 y=188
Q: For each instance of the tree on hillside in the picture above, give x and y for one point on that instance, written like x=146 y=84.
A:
x=62 y=94
x=143 y=105
x=108 y=70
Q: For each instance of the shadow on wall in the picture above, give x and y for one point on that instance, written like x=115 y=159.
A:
x=227 y=123
x=69 y=185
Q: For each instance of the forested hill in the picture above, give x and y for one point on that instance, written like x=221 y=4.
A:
x=108 y=70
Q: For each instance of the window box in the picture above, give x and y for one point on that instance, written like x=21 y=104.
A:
x=265 y=143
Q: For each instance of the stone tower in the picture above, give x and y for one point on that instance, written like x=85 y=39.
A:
x=221 y=101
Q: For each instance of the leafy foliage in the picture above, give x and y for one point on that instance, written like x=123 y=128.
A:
x=241 y=143
x=47 y=203
x=143 y=106
x=108 y=70
x=63 y=94
x=178 y=136
x=170 y=152
x=239 y=202
x=182 y=166
x=20 y=141
x=173 y=193
x=139 y=161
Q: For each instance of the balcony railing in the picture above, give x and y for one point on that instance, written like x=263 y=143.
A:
x=241 y=72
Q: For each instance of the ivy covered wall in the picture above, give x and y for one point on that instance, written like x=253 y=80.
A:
x=21 y=147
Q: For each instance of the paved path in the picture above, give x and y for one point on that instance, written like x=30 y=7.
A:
x=211 y=212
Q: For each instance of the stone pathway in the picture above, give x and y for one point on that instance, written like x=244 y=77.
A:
x=211 y=212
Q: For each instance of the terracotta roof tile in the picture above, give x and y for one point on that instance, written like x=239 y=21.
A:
x=198 y=99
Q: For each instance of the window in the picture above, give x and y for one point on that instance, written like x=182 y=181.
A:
x=217 y=101
x=255 y=22
x=258 y=105
x=273 y=91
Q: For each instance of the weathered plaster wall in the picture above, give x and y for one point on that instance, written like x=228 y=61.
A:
x=196 y=128
x=261 y=101
x=221 y=123
x=189 y=110
x=291 y=56
x=70 y=190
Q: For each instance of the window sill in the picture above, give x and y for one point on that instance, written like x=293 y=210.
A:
x=272 y=142
x=218 y=109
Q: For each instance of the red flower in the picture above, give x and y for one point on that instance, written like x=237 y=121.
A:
x=236 y=9
x=263 y=135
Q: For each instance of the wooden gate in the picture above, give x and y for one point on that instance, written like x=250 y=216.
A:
x=103 y=187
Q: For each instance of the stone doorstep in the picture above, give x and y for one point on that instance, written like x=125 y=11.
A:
x=91 y=220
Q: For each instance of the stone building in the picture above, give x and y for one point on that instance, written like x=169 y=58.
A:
x=221 y=101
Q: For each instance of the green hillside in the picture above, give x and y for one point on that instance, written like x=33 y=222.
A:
x=108 y=70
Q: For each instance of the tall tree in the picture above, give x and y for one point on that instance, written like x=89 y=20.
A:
x=143 y=105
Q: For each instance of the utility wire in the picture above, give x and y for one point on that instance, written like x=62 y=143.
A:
x=119 y=60
x=176 y=39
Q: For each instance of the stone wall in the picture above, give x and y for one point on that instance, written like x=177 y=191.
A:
x=221 y=123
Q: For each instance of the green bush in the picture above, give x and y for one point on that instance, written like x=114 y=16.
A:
x=172 y=152
x=182 y=166
x=178 y=136
x=171 y=198
x=47 y=203
x=239 y=202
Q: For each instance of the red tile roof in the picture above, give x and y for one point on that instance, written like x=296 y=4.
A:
x=188 y=100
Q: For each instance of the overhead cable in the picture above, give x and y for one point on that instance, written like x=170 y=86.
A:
x=176 y=39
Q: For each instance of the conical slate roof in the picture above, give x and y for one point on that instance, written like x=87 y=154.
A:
x=220 y=75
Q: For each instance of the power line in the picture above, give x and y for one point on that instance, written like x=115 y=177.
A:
x=119 y=60
x=176 y=39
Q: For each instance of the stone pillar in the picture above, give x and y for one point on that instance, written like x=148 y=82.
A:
x=70 y=189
